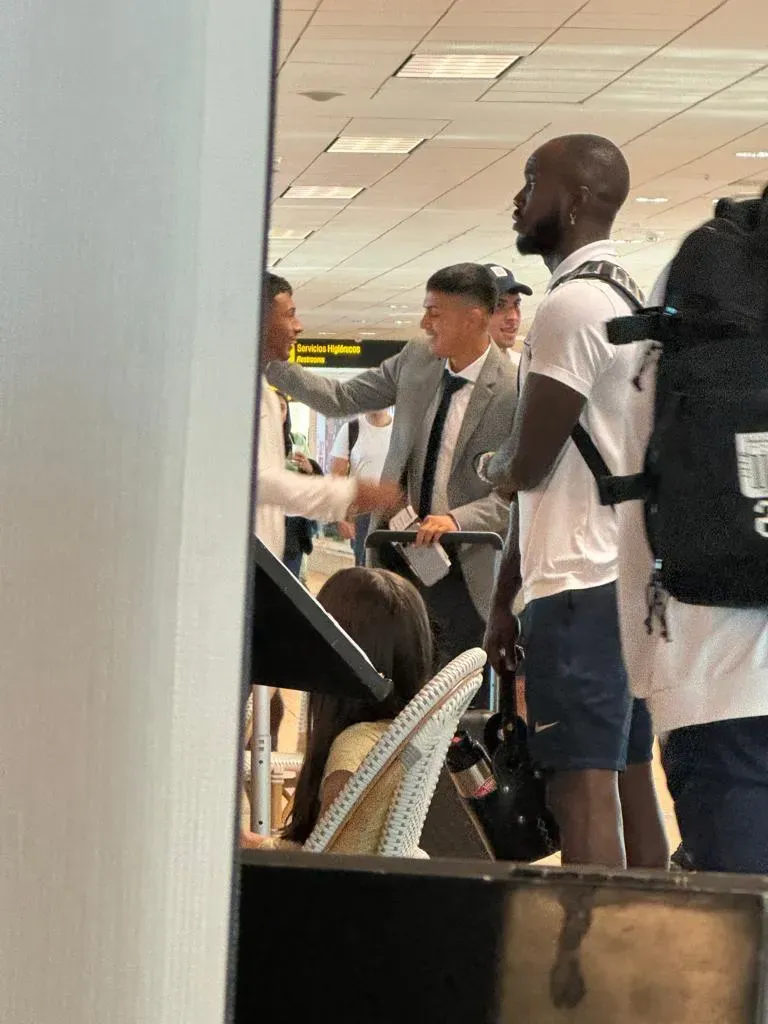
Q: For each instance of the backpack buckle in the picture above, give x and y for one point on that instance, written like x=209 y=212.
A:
x=615 y=490
x=658 y=324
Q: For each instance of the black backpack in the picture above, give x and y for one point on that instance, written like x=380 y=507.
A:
x=705 y=479
x=354 y=433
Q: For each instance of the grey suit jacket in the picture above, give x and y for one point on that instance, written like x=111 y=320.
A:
x=411 y=381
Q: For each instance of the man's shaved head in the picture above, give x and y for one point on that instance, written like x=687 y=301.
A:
x=575 y=186
x=595 y=163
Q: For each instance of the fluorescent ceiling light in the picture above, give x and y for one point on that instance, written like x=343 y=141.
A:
x=370 y=144
x=456 y=65
x=289 y=234
x=651 y=199
x=759 y=154
x=322 y=192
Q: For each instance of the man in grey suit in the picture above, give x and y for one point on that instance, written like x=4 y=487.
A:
x=454 y=397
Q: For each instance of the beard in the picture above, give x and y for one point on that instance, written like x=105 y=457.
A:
x=543 y=239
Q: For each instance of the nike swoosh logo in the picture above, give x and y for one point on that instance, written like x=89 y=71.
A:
x=547 y=725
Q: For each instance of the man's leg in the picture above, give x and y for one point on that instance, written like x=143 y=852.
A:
x=579 y=715
x=362 y=529
x=645 y=838
x=456 y=623
x=587 y=810
x=718 y=778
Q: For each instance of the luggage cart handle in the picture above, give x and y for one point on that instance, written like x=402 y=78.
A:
x=379 y=538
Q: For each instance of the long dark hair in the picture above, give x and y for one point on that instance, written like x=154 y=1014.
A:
x=386 y=616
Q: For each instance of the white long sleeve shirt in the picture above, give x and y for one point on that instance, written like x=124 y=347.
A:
x=281 y=492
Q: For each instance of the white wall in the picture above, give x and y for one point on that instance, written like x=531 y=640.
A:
x=131 y=205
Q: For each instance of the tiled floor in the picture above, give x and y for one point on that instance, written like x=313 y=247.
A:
x=289 y=731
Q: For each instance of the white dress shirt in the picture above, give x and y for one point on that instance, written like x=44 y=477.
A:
x=281 y=492
x=453 y=421
x=513 y=356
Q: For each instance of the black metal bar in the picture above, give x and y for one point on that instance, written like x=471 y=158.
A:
x=379 y=538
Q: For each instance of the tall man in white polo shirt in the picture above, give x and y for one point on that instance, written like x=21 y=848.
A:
x=584 y=728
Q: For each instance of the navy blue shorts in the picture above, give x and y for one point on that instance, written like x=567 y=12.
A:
x=580 y=711
x=718 y=778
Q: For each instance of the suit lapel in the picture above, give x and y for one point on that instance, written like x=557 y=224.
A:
x=482 y=393
x=424 y=414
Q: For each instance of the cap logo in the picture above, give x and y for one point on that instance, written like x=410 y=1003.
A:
x=499 y=271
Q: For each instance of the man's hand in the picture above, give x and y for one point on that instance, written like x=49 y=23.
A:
x=378 y=497
x=433 y=528
x=502 y=634
x=346 y=529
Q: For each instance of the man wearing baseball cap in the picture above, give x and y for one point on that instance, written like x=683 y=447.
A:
x=505 y=322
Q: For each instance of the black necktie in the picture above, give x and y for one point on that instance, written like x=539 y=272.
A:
x=451 y=384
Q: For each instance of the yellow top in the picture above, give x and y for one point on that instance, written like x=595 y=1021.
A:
x=361 y=832
x=351 y=747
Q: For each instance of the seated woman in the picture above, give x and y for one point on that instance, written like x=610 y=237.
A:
x=386 y=617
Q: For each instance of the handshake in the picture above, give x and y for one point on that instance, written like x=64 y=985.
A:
x=371 y=496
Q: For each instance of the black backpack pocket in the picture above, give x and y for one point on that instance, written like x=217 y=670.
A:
x=707 y=511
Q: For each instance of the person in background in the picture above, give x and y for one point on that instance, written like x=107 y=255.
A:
x=585 y=730
x=386 y=617
x=280 y=492
x=360 y=449
x=299 y=531
x=454 y=398
x=705 y=680
x=505 y=322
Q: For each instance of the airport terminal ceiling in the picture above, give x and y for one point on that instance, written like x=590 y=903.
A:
x=403 y=128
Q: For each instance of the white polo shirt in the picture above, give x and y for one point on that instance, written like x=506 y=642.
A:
x=715 y=664
x=568 y=540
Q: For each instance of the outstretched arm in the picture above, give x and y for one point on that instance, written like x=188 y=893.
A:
x=369 y=391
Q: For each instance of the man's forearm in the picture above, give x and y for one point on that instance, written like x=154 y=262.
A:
x=509 y=579
x=499 y=469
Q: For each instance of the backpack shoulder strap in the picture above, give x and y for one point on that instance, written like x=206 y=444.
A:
x=354 y=433
x=618 y=279
x=612 y=274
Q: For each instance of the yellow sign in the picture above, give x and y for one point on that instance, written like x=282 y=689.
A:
x=343 y=354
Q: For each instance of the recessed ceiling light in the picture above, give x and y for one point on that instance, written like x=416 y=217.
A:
x=367 y=334
x=371 y=144
x=651 y=199
x=321 y=192
x=758 y=154
x=326 y=334
x=456 y=65
x=288 y=234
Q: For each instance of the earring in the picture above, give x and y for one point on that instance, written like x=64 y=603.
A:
x=573 y=219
